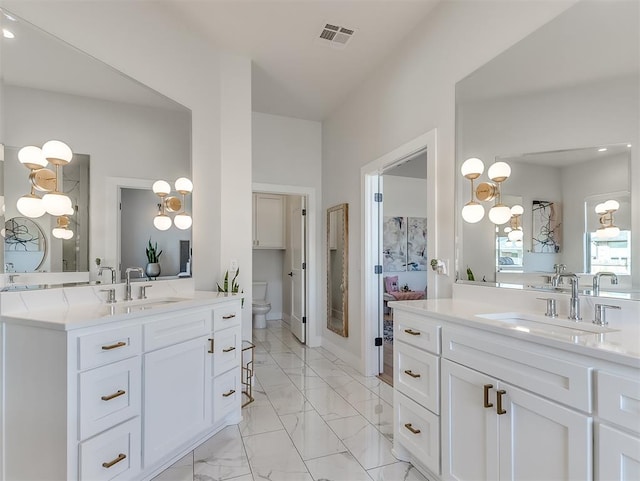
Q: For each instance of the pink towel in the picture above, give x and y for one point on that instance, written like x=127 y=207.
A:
x=407 y=295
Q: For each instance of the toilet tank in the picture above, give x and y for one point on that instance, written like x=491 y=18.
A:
x=259 y=290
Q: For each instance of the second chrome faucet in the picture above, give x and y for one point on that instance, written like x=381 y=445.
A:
x=574 y=305
x=127 y=293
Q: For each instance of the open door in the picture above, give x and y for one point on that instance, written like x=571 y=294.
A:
x=297 y=273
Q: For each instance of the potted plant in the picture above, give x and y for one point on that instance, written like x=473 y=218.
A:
x=233 y=288
x=153 y=260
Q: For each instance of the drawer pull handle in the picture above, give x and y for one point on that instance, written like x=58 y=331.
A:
x=411 y=428
x=227 y=394
x=229 y=316
x=487 y=404
x=116 y=394
x=120 y=457
x=411 y=373
x=211 y=345
x=229 y=349
x=411 y=332
x=499 y=409
x=114 y=346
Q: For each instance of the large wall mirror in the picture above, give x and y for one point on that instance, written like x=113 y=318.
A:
x=562 y=111
x=338 y=269
x=116 y=127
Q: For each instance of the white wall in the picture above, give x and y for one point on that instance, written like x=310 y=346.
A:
x=406 y=197
x=268 y=265
x=287 y=152
x=411 y=93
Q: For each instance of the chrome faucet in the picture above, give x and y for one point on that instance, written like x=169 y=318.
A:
x=107 y=268
x=598 y=276
x=127 y=293
x=574 y=306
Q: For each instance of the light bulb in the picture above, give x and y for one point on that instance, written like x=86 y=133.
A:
x=182 y=221
x=507 y=230
x=32 y=157
x=472 y=167
x=58 y=232
x=161 y=187
x=56 y=203
x=472 y=212
x=56 y=151
x=184 y=185
x=517 y=210
x=68 y=234
x=499 y=214
x=600 y=209
x=499 y=172
x=600 y=233
x=31 y=206
x=611 y=231
x=162 y=222
x=516 y=234
x=611 y=205
x=519 y=243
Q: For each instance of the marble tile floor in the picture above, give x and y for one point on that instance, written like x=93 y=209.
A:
x=314 y=418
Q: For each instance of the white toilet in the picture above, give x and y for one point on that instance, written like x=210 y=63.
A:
x=260 y=305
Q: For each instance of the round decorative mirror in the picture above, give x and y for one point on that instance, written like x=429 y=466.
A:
x=25 y=245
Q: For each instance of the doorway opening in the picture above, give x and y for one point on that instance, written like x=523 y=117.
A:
x=281 y=248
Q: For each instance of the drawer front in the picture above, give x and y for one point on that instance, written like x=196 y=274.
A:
x=113 y=455
x=226 y=394
x=227 y=315
x=109 y=395
x=418 y=431
x=537 y=370
x=419 y=331
x=227 y=350
x=619 y=400
x=104 y=347
x=418 y=376
x=173 y=329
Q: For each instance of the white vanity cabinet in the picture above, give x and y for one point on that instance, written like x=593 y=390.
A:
x=618 y=429
x=268 y=221
x=117 y=400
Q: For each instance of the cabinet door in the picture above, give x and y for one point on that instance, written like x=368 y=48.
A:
x=618 y=455
x=540 y=439
x=269 y=221
x=177 y=397
x=469 y=430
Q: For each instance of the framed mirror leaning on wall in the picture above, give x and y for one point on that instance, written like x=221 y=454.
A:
x=561 y=111
x=338 y=269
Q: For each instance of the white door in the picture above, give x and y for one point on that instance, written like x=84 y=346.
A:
x=297 y=270
x=469 y=429
x=618 y=455
x=534 y=429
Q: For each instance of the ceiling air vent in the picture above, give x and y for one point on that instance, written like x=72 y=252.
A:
x=335 y=36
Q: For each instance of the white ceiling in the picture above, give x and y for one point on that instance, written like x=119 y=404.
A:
x=293 y=75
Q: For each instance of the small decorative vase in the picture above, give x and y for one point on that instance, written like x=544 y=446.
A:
x=152 y=270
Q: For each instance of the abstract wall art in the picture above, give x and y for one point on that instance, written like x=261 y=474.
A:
x=547 y=227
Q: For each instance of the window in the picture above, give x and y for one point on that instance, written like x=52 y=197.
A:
x=610 y=254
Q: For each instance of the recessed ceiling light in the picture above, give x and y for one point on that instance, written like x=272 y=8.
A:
x=629 y=145
x=7 y=33
x=603 y=149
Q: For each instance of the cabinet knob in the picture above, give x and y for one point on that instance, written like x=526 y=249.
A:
x=411 y=332
x=114 y=346
x=121 y=457
x=487 y=387
x=412 y=429
x=499 y=409
x=227 y=394
x=229 y=349
x=411 y=373
x=211 y=345
x=116 y=394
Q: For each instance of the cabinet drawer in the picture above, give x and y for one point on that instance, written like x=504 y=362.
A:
x=109 y=395
x=418 y=431
x=226 y=394
x=419 y=331
x=535 y=369
x=418 y=376
x=112 y=455
x=108 y=346
x=619 y=400
x=176 y=328
x=228 y=315
x=227 y=350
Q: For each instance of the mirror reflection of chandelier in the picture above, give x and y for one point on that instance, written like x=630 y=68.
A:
x=607 y=228
x=53 y=201
x=514 y=229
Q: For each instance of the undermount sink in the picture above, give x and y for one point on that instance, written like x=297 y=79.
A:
x=545 y=325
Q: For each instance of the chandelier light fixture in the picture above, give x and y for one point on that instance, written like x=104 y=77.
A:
x=498 y=172
x=514 y=229
x=172 y=204
x=42 y=179
x=607 y=228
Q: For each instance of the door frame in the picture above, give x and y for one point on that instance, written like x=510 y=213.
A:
x=371 y=283
x=312 y=271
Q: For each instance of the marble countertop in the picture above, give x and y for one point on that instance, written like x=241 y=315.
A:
x=620 y=345
x=76 y=308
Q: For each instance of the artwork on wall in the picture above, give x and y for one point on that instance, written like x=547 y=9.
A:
x=417 y=244
x=394 y=244
x=547 y=224
x=404 y=244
